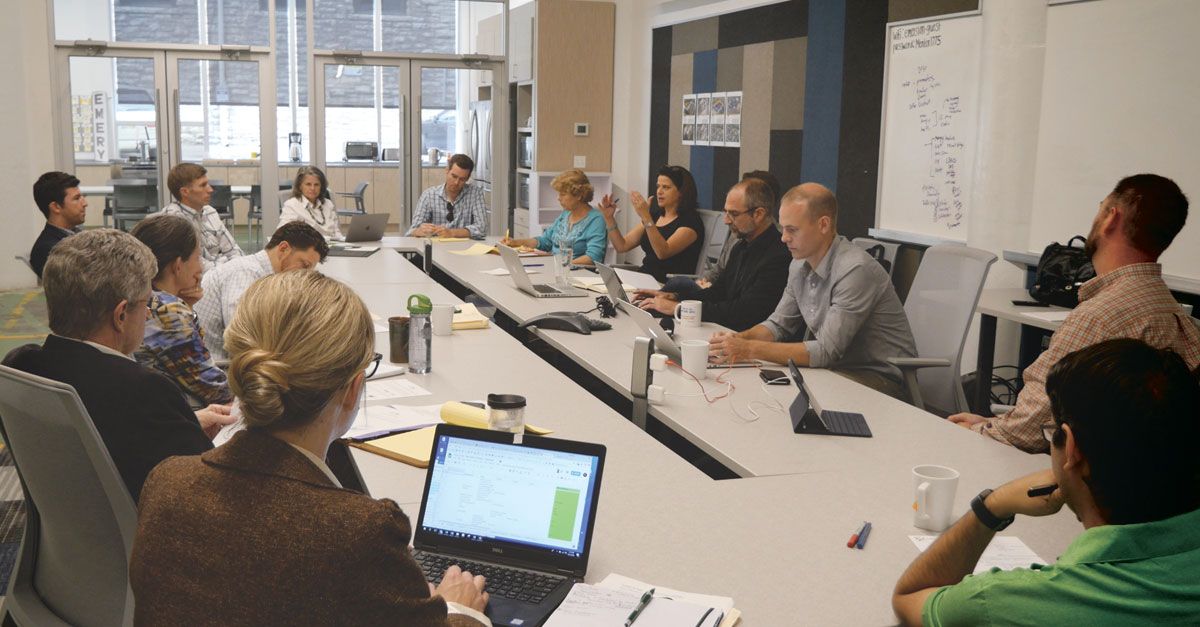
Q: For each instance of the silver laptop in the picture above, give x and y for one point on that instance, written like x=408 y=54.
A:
x=367 y=227
x=665 y=344
x=512 y=260
x=517 y=510
x=616 y=291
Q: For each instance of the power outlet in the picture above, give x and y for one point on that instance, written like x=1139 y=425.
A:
x=580 y=161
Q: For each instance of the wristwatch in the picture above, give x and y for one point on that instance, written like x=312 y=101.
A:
x=986 y=516
x=648 y=223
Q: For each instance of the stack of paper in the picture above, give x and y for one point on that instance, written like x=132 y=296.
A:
x=468 y=317
x=611 y=601
x=393 y=388
x=484 y=249
x=445 y=239
x=413 y=447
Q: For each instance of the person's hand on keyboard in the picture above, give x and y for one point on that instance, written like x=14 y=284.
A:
x=462 y=587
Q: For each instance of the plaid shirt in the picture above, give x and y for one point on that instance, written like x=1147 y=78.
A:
x=174 y=345
x=1131 y=301
x=223 y=288
x=216 y=243
x=470 y=211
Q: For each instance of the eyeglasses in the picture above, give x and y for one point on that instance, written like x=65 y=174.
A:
x=373 y=366
x=449 y=211
x=734 y=215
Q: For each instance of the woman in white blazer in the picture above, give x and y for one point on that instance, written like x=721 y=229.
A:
x=310 y=203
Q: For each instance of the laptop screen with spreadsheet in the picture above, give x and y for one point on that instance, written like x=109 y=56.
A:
x=490 y=495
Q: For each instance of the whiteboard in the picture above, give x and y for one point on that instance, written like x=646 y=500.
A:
x=929 y=126
x=1120 y=96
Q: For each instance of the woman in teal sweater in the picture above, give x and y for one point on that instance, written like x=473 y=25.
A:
x=579 y=223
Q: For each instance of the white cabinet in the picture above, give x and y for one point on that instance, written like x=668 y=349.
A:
x=521 y=33
x=543 y=205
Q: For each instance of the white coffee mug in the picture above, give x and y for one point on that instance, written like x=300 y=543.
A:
x=687 y=313
x=443 y=319
x=933 y=501
x=695 y=357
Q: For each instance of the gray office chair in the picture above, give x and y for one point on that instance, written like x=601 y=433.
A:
x=72 y=566
x=133 y=202
x=940 y=308
x=359 y=196
x=715 y=234
x=222 y=201
x=889 y=250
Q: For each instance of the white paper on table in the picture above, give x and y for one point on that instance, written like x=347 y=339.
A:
x=598 y=606
x=1003 y=552
x=592 y=606
x=393 y=388
x=504 y=271
x=387 y=369
x=629 y=584
x=374 y=418
x=1054 y=315
x=638 y=280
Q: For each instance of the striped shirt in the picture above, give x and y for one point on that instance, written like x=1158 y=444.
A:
x=174 y=345
x=223 y=288
x=470 y=210
x=216 y=242
x=1129 y=302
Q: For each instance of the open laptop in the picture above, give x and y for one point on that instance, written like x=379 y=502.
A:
x=517 y=509
x=512 y=260
x=665 y=344
x=612 y=284
x=367 y=227
x=808 y=416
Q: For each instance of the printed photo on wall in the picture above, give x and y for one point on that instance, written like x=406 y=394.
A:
x=703 y=101
x=689 y=120
x=689 y=134
x=702 y=134
x=733 y=135
x=733 y=103
x=689 y=104
x=716 y=134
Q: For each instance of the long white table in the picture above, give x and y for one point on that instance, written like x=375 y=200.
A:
x=776 y=544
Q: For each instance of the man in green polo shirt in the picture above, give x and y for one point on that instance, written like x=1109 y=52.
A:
x=1123 y=454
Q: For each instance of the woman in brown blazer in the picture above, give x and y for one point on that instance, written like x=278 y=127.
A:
x=259 y=531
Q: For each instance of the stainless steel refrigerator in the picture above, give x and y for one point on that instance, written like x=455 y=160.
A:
x=481 y=142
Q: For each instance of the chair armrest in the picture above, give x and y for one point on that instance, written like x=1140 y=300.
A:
x=346 y=194
x=905 y=363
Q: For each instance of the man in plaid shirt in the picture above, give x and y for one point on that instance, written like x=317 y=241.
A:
x=453 y=209
x=189 y=186
x=1128 y=298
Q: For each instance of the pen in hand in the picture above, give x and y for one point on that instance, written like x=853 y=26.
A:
x=1041 y=490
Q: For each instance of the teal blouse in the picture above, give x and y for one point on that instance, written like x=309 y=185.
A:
x=589 y=234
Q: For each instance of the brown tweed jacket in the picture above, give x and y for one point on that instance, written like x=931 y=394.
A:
x=252 y=533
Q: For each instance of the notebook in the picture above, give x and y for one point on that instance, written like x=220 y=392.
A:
x=518 y=509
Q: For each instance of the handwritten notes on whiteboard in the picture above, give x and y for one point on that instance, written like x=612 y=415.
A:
x=929 y=127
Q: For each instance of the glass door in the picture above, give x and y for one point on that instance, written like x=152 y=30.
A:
x=393 y=122
x=136 y=110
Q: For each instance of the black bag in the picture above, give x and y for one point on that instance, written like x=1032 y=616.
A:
x=1060 y=272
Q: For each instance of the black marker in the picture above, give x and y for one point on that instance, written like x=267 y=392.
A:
x=1029 y=303
x=1042 y=490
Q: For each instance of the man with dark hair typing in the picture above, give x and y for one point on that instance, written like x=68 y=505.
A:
x=1122 y=455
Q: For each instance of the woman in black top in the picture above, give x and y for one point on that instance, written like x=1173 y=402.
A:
x=671 y=233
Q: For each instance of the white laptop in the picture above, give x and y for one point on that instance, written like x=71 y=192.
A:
x=666 y=345
x=512 y=260
x=367 y=227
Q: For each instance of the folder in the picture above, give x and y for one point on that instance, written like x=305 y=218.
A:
x=412 y=448
x=463 y=415
x=468 y=317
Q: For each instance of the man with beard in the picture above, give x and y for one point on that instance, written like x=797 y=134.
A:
x=750 y=286
x=1128 y=298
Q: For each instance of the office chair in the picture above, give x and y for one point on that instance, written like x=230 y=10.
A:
x=222 y=201
x=133 y=202
x=888 y=249
x=72 y=568
x=359 y=196
x=940 y=307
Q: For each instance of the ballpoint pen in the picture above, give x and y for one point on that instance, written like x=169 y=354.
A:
x=640 y=606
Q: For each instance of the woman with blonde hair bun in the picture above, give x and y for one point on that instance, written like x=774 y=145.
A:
x=260 y=531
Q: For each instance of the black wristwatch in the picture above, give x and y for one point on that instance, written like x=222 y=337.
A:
x=986 y=516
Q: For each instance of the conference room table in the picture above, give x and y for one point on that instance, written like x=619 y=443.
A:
x=775 y=540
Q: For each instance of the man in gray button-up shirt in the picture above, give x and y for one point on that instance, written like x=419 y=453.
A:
x=854 y=319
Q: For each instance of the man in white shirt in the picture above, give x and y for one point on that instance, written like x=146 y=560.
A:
x=293 y=246
x=189 y=187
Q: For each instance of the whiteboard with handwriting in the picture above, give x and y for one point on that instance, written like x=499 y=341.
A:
x=929 y=126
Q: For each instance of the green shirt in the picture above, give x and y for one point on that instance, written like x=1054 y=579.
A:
x=1147 y=573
